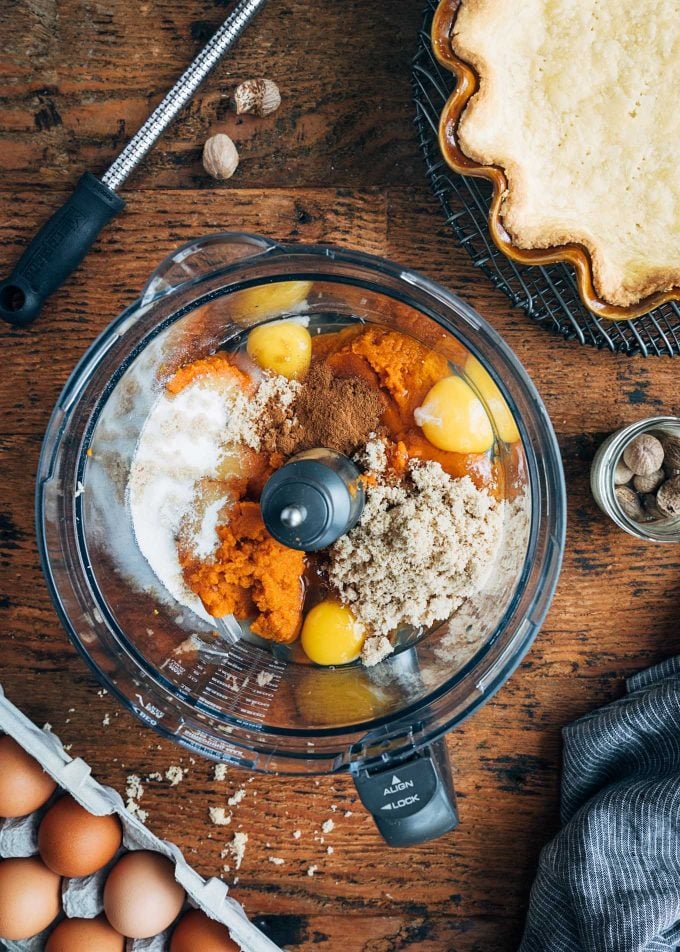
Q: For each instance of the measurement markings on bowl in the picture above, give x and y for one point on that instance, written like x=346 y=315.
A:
x=240 y=683
x=243 y=681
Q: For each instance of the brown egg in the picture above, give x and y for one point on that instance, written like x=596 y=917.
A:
x=24 y=785
x=78 y=935
x=141 y=895
x=196 y=931
x=30 y=897
x=74 y=842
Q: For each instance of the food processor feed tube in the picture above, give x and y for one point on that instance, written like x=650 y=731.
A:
x=257 y=703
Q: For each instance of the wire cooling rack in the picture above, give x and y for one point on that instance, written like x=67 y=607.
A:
x=547 y=294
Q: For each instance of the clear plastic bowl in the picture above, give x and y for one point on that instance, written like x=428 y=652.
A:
x=239 y=703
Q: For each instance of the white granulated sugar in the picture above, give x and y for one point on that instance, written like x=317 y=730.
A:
x=174 y=775
x=206 y=539
x=220 y=771
x=264 y=678
x=328 y=826
x=276 y=860
x=219 y=816
x=418 y=552
x=297 y=834
x=182 y=444
x=311 y=870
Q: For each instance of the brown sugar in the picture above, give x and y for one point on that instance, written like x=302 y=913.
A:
x=331 y=410
x=250 y=574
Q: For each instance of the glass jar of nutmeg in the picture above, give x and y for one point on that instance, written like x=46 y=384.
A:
x=635 y=478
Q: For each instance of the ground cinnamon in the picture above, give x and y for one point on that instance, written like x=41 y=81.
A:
x=331 y=411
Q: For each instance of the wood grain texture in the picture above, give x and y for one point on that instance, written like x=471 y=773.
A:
x=339 y=163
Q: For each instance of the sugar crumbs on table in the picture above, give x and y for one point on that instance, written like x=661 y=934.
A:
x=220 y=771
x=236 y=798
x=237 y=848
x=134 y=792
x=174 y=775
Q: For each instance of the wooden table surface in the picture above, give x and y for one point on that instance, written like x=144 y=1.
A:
x=338 y=163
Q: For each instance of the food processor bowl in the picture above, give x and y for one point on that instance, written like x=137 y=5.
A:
x=247 y=703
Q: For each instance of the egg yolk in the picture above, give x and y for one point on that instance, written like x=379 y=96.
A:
x=268 y=300
x=453 y=418
x=331 y=634
x=500 y=411
x=284 y=348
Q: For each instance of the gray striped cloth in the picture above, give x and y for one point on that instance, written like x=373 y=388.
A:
x=610 y=880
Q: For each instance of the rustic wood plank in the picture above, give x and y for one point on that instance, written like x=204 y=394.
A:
x=89 y=74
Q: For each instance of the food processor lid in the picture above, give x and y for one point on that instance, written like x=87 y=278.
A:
x=312 y=500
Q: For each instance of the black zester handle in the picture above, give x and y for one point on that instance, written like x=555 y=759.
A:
x=57 y=249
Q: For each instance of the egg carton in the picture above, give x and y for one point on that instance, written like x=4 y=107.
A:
x=83 y=897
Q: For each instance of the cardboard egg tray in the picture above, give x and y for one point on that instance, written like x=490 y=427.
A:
x=83 y=897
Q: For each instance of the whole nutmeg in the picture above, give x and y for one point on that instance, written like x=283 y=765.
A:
x=668 y=497
x=644 y=454
x=258 y=97
x=622 y=474
x=630 y=503
x=220 y=157
x=648 y=484
x=651 y=508
x=671 y=451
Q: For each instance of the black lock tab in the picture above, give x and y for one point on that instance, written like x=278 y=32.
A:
x=411 y=802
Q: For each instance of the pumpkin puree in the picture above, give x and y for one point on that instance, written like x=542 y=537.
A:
x=215 y=365
x=251 y=573
x=407 y=370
